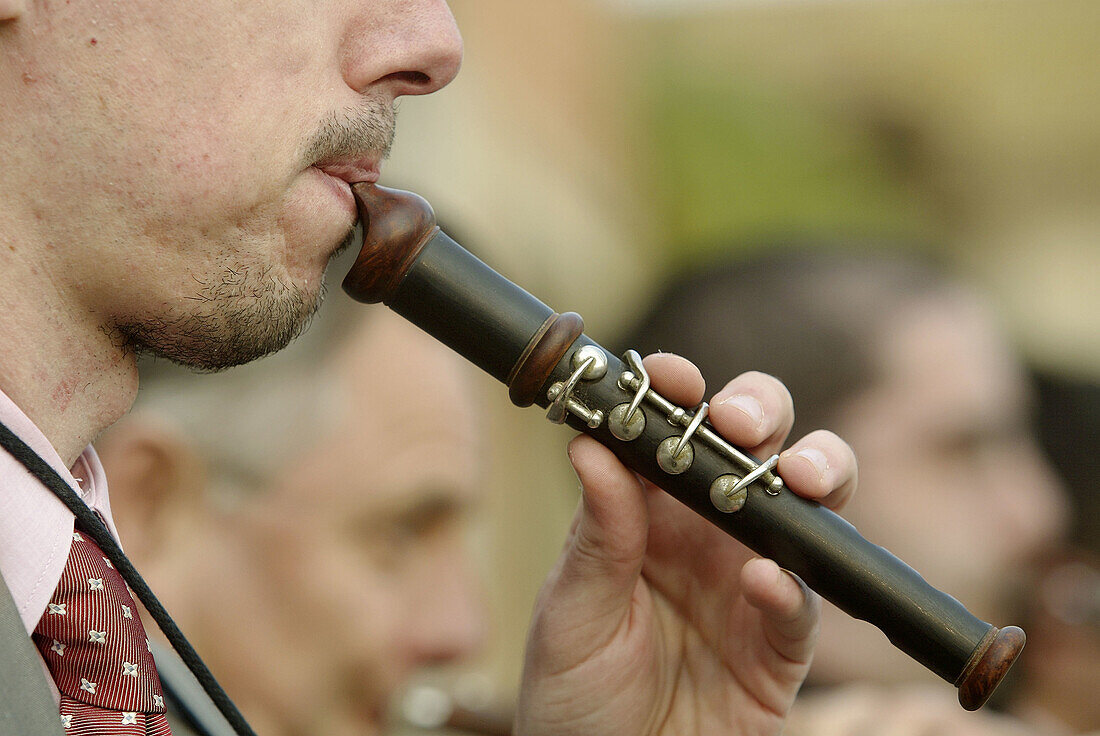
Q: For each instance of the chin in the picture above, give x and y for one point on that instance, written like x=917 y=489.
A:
x=235 y=322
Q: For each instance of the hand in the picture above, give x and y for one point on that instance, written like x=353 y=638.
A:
x=654 y=621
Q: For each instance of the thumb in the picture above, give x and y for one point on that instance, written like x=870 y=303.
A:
x=603 y=557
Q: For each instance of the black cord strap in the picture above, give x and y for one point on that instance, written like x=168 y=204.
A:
x=91 y=523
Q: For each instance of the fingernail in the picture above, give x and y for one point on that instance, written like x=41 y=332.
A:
x=749 y=406
x=816 y=458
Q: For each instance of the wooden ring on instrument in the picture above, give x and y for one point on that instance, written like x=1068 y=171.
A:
x=543 y=351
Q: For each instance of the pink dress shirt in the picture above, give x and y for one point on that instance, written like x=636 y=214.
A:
x=35 y=527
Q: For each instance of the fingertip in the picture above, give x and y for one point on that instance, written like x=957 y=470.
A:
x=586 y=455
x=789 y=609
x=676 y=378
x=577 y=444
x=806 y=471
x=821 y=466
x=759 y=578
x=772 y=589
x=754 y=410
x=606 y=484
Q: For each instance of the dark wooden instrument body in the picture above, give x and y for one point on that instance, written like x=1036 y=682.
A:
x=503 y=330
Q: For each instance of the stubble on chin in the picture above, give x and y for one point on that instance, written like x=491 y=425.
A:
x=229 y=319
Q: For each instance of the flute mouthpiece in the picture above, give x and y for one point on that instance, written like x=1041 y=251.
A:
x=396 y=225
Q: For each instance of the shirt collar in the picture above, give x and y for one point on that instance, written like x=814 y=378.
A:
x=36 y=528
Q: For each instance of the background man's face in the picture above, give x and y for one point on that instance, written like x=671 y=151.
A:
x=180 y=146
x=951 y=478
x=315 y=546
x=362 y=541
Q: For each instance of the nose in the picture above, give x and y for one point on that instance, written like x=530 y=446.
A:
x=447 y=622
x=401 y=47
x=1031 y=500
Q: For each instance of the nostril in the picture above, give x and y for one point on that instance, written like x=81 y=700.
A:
x=411 y=78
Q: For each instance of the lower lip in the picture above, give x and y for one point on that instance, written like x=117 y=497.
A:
x=342 y=190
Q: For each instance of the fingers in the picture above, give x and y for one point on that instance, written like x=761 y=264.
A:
x=603 y=557
x=790 y=610
x=820 y=466
x=587 y=598
x=753 y=411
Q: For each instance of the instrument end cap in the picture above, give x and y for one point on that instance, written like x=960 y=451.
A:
x=985 y=673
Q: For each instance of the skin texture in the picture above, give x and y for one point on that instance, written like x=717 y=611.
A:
x=177 y=207
x=361 y=533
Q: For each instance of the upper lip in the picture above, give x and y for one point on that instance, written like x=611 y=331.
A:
x=353 y=171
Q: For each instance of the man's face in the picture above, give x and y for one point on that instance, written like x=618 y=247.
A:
x=189 y=162
x=361 y=542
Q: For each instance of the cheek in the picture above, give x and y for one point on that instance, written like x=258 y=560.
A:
x=342 y=586
x=920 y=508
x=234 y=120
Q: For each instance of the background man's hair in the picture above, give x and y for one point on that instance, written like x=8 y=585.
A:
x=809 y=317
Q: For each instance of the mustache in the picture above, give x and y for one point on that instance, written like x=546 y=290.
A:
x=354 y=133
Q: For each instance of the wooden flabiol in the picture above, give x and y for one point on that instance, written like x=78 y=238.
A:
x=396 y=225
x=544 y=357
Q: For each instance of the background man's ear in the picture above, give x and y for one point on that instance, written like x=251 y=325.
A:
x=156 y=480
x=12 y=9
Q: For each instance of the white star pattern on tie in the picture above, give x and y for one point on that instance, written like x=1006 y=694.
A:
x=108 y=563
x=77 y=537
x=66 y=721
x=92 y=648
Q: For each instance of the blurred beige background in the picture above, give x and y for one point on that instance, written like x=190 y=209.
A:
x=588 y=148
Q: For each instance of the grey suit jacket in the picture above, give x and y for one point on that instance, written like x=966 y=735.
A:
x=26 y=705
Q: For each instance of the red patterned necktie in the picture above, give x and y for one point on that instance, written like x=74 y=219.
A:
x=95 y=647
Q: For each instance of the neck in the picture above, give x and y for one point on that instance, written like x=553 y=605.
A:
x=66 y=368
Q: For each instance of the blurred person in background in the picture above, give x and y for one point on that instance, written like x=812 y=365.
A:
x=322 y=496
x=1061 y=673
x=914 y=371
